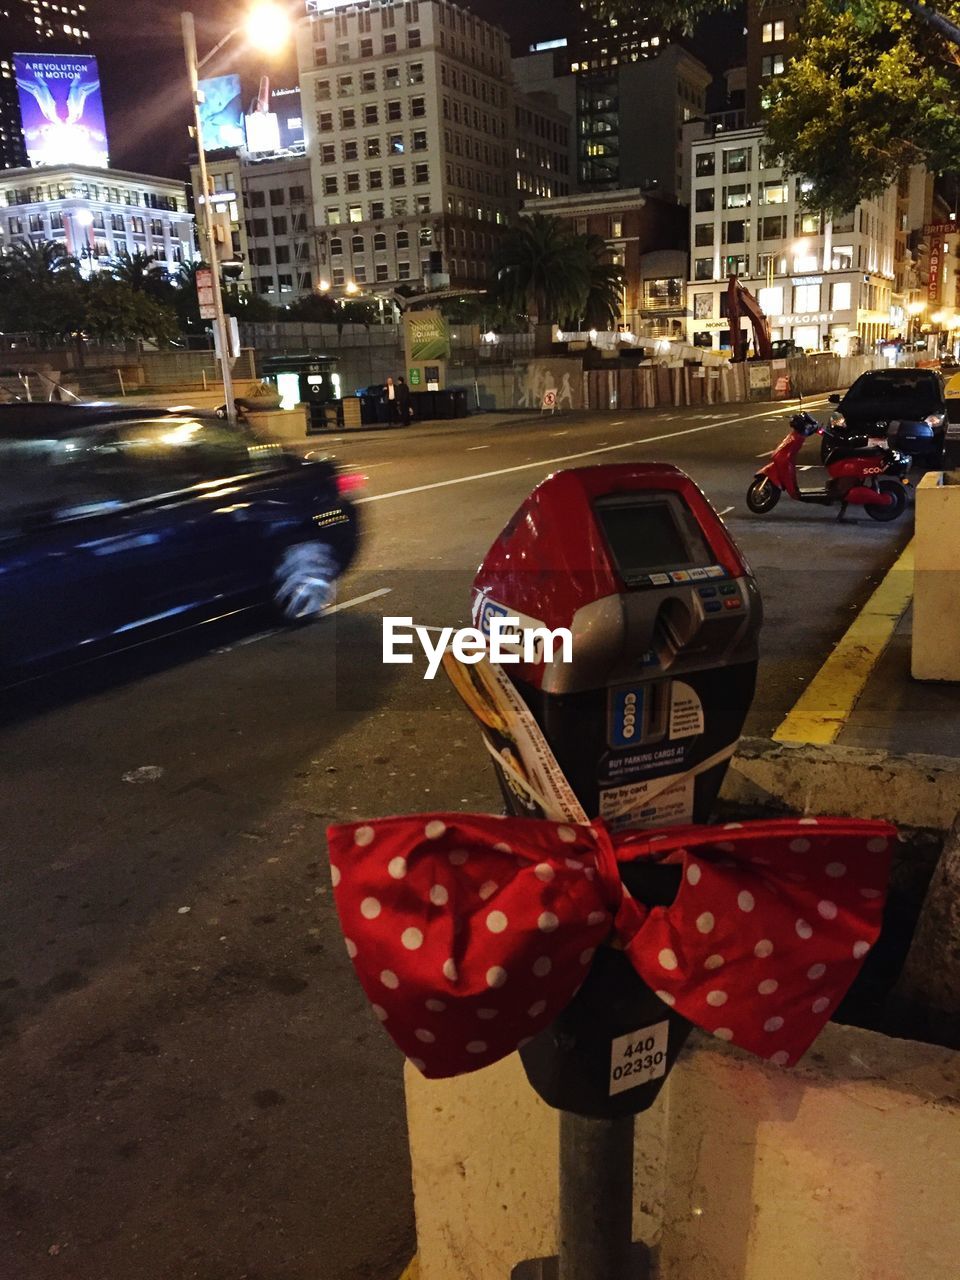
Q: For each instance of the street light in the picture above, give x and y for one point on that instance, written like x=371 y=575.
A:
x=268 y=26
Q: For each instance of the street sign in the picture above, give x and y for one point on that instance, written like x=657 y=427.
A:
x=549 y=402
x=208 y=310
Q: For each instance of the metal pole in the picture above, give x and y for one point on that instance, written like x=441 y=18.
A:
x=596 y=1199
x=219 y=322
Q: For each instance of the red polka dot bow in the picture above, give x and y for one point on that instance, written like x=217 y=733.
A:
x=471 y=934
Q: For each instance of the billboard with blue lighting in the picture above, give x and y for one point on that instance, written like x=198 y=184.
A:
x=61 y=109
x=221 y=113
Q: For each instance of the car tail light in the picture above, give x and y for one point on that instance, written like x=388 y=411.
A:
x=350 y=483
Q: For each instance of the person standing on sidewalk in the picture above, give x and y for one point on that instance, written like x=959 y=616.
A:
x=392 y=402
x=404 y=402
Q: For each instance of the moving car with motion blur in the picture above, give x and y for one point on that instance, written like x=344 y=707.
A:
x=905 y=408
x=121 y=525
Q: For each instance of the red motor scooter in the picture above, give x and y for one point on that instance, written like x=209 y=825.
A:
x=866 y=475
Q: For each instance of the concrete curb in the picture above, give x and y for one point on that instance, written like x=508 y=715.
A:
x=915 y=791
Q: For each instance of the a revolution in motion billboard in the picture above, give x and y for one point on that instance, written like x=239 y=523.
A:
x=61 y=109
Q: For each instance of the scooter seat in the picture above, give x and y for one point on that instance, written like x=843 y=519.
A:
x=838 y=452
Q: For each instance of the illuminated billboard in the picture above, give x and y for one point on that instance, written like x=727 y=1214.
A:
x=221 y=113
x=61 y=109
x=274 y=123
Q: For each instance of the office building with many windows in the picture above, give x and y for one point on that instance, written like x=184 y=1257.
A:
x=97 y=214
x=410 y=132
x=630 y=108
x=825 y=282
x=266 y=209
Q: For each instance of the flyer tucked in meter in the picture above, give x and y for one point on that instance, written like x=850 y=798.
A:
x=526 y=767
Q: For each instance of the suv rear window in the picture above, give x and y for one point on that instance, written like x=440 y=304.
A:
x=905 y=388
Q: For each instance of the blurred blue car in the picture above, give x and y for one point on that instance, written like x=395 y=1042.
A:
x=118 y=526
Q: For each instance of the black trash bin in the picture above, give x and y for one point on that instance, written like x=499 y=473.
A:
x=424 y=404
x=460 y=404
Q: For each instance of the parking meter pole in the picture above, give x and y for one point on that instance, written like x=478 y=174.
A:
x=596 y=1199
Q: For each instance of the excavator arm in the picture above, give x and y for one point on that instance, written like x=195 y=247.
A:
x=740 y=303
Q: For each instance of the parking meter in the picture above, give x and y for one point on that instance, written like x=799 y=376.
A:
x=665 y=616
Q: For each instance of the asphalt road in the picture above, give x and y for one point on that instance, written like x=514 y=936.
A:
x=192 y=1086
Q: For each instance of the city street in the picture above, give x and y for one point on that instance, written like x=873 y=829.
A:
x=195 y=1085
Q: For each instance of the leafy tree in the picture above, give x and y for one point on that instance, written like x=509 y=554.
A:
x=868 y=94
x=246 y=305
x=672 y=15
x=40 y=291
x=315 y=308
x=115 y=312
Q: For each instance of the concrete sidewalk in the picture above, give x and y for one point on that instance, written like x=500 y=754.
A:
x=865 y=696
x=901 y=715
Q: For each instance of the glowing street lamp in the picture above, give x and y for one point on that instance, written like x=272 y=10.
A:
x=352 y=287
x=267 y=27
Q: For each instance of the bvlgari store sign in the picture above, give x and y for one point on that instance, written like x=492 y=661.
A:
x=821 y=317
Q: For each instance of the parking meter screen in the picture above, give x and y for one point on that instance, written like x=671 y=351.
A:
x=646 y=537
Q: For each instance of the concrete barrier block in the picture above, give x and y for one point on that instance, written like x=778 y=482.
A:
x=921 y=792
x=844 y=1169
x=936 y=636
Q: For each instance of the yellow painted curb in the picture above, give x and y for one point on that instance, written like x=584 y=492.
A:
x=823 y=710
x=412 y=1270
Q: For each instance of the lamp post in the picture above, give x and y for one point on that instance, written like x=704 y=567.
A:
x=915 y=310
x=268 y=25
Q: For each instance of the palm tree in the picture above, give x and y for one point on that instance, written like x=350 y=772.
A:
x=34 y=265
x=604 y=301
x=541 y=270
x=133 y=269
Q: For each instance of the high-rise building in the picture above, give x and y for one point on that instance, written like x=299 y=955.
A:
x=32 y=26
x=630 y=110
x=771 y=25
x=410 y=131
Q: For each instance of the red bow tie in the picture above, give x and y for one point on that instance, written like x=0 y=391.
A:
x=471 y=934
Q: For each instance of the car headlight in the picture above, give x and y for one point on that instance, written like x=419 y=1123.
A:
x=837 y=420
x=935 y=419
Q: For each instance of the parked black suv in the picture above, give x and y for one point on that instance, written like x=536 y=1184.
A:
x=907 y=407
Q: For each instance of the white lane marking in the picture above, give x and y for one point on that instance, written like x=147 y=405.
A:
x=561 y=433
x=620 y=424
x=474 y=448
x=768 y=454
x=351 y=604
x=248 y=640
x=551 y=462
x=726 y=511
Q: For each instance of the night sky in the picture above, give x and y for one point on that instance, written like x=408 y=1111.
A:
x=144 y=82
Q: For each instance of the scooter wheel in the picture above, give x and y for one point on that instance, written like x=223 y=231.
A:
x=896 y=508
x=762 y=496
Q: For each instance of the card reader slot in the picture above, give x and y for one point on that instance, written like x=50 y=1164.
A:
x=673 y=630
